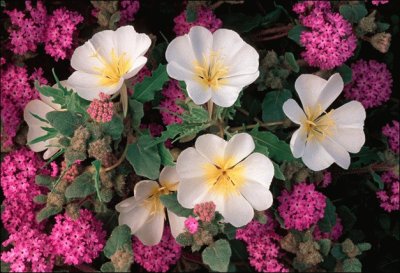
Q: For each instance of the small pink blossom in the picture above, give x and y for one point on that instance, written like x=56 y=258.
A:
x=389 y=197
x=169 y=109
x=191 y=224
x=205 y=211
x=204 y=17
x=392 y=134
x=335 y=233
x=128 y=10
x=101 y=110
x=379 y=2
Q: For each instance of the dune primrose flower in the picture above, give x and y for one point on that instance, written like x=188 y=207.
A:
x=324 y=137
x=227 y=173
x=144 y=213
x=215 y=66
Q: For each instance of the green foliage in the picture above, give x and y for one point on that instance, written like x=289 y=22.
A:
x=352 y=265
x=120 y=239
x=191 y=14
x=44 y=180
x=295 y=32
x=65 y=122
x=377 y=179
x=337 y=252
x=230 y=231
x=346 y=73
x=185 y=239
x=217 y=255
x=146 y=161
x=353 y=12
x=364 y=246
x=145 y=90
x=113 y=128
x=364 y=157
x=137 y=113
x=328 y=222
x=107 y=267
x=291 y=62
x=325 y=246
x=278 y=173
x=40 y=199
x=81 y=187
x=166 y=157
x=96 y=177
x=46 y=212
x=348 y=218
x=272 y=105
x=170 y=201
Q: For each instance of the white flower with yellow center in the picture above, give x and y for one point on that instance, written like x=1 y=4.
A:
x=324 y=137
x=106 y=60
x=215 y=66
x=145 y=214
x=40 y=108
x=227 y=173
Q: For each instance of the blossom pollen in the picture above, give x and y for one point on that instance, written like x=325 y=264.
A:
x=316 y=125
x=211 y=71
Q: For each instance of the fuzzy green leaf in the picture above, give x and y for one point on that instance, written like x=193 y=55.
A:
x=107 y=267
x=136 y=110
x=120 y=239
x=217 y=255
x=295 y=32
x=346 y=73
x=145 y=90
x=40 y=199
x=44 y=180
x=96 y=177
x=352 y=265
x=166 y=157
x=81 y=187
x=278 y=173
x=353 y=12
x=291 y=61
x=337 y=252
x=328 y=222
x=364 y=246
x=170 y=201
x=325 y=246
x=46 y=212
x=377 y=179
x=64 y=122
x=191 y=14
x=230 y=231
x=113 y=128
x=59 y=96
x=272 y=105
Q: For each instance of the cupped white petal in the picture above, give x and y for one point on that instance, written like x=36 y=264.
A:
x=201 y=40
x=136 y=67
x=238 y=210
x=134 y=218
x=315 y=157
x=350 y=115
x=180 y=51
x=131 y=43
x=50 y=152
x=150 y=233
x=293 y=111
x=352 y=139
x=228 y=43
x=192 y=191
x=49 y=102
x=211 y=147
x=337 y=152
x=85 y=59
x=126 y=205
x=259 y=196
x=241 y=80
x=35 y=132
x=190 y=164
x=143 y=189
x=178 y=72
x=38 y=108
x=197 y=93
x=103 y=43
x=257 y=167
x=298 y=142
x=309 y=88
x=169 y=178
x=238 y=148
x=176 y=223
x=225 y=95
x=246 y=61
x=331 y=91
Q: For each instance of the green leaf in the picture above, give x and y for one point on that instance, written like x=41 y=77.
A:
x=278 y=173
x=382 y=26
x=217 y=255
x=346 y=73
x=170 y=201
x=348 y=218
x=365 y=156
x=120 y=239
x=166 y=157
x=328 y=222
x=96 y=177
x=45 y=137
x=191 y=14
x=59 y=96
x=230 y=231
x=40 y=199
x=273 y=103
x=352 y=265
x=353 y=12
x=279 y=150
x=196 y=115
x=337 y=252
x=295 y=32
x=114 y=127
x=77 y=104
x=81 y=187
x=44 y=180
x=136 y=110
x=377 y=179
x=46 y=212
x=364 y=246
x=146 y=161
x=114 y=19
x=325 y=246
x=64 y=122
x=291 y=61
x=145 y=90
x=107 y=267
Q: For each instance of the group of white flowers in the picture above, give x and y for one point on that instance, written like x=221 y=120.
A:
x=215 y=67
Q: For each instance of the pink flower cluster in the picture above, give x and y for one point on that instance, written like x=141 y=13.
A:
x=379 y=2
x=393 y=135
x=335 y=233
x=160 y=257
x=389 y=197
x=128 y=10
x=327 y=179
x=169 y=109
x=205 y=211
x=205 y=17
x=301 y=208
x=101 y=110
x=330 y=41
x=31 y=251
x=371 y=84
x=191 y=224
x=17 y=89
x=78 y=241
x=33 y=26
x=18 y=171
x=263 y=246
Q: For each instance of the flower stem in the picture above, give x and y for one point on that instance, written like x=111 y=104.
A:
x=124 y=99
x=210 y=108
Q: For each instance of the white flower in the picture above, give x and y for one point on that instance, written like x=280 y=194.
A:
x=324 y=137
x=214 y=67
x=227 y=173
x=40 y=108
x=106 y=60
x=144 y=213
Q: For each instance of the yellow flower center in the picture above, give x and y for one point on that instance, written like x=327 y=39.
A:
x=211 y=71
x=153 y=202
x=223 y=178
x=113 y=71
x=318 y=126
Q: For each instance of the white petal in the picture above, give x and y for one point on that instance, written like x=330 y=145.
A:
x=190 y=164
x=49 y=102
x=259 y=197
x=144 y=189
x=211 y=147
x=192 y=191
x=238 y=210
x=315 y=157
x=103 y=43
x=134 y=218
x=198 y=93
x=88 y=85
x=351 y=115
x=227 y=43
x=257 y=167
x=151 y=231
x=337 y=152
x=169 y=177
x=84 y=59
x=241 y=80
x=298 y=142
x=39 y=108
x=293 y=111
x=246 y=61
x=238 y=147
x=130 y=42
x=126 y=205
x=225 y=96
x=201 y=40
x=331 y=91
x=179 y=72
x=180 y=51
x=352 y=139
x=52 y=148
x=176 y=223
x=35 y=132
x=136 y=67
x=309 y=88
